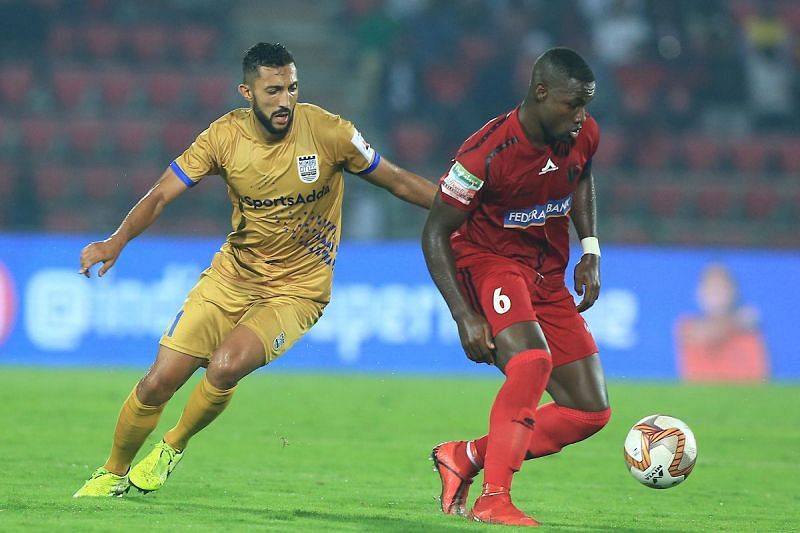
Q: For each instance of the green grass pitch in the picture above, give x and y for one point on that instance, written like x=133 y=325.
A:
x=305 y=452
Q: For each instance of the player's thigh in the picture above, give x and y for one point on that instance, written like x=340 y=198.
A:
x=207 y=316
x=580 y=385
x=566 y=331
x=281 y=321
x=499 y=292
x=167 y=374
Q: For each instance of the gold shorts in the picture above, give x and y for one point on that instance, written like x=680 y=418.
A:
x=212 y=309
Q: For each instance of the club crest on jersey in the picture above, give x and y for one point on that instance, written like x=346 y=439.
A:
x=538 y=214
x=307 y=168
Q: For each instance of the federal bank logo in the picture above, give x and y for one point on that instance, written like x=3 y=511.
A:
x=307 y=168
x=8 y=303
x=538 y=214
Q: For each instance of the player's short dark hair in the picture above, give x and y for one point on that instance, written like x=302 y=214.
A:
x=561 y=63
x=265 y=55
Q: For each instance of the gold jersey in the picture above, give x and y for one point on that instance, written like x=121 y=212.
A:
x=286 y=196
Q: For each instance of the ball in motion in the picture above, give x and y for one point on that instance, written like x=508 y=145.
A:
x=660 y=451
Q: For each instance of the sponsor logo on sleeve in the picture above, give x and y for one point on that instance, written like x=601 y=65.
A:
x=307 y=168
x=363 y=146
x=538 y=214
x=461 y=184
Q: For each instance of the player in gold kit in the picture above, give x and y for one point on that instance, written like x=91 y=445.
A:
x=282 y=162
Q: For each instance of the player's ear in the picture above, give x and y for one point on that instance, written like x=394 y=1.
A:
x=245 y=91
x=541 y=92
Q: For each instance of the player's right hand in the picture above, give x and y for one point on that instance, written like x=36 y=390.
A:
x=105 y=252
x=476 y=338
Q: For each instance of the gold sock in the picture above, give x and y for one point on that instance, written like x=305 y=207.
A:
x=205 y=404
x=136 y=421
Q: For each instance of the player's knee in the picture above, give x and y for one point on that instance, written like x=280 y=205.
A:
x=154 y=390
x=225 y=370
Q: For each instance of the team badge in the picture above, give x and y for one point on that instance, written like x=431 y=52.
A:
x=307 y=168
x=279 y=341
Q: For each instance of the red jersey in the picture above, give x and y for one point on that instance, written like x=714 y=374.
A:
x=519 y=196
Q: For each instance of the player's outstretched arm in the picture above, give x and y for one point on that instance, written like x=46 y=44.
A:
x=143 y=214
x=584 y=217
x=474 y=331
x=402 y=183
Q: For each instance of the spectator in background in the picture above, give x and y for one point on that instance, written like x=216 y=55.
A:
x=723 y=343
x=769 y=69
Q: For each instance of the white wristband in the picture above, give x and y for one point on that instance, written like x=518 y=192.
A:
x=591 y=245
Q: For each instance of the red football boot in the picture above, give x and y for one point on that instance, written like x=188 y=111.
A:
x=456 y=479
x=494 y=506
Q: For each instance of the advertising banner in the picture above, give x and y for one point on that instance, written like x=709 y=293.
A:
x=663 y=313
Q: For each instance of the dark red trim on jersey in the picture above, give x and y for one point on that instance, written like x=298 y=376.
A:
x=510 y=142
x=485 y=135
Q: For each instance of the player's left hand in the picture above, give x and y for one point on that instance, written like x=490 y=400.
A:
x=587 y=280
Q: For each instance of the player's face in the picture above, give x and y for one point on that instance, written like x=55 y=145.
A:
x=563 y=110
x=274 y=96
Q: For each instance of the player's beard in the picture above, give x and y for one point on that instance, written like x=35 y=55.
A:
x=267 y=123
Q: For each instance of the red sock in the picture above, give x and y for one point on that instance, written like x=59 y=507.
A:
x=511 y=419
x=556 y=427
x=562 y=426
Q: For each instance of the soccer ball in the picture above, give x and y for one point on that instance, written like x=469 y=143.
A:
x=660 y=451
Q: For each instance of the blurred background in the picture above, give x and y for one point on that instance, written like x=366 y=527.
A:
x=697 y=170
x=698 y=103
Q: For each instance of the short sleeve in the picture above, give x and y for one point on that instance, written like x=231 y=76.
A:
x=462 y=186
x=355 y=154
x=199 y=160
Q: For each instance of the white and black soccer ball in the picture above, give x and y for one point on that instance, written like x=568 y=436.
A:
x=660 y=451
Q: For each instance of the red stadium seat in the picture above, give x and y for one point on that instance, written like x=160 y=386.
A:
x=701 y=153
x=761 y=201
x=142 y=178
x=178 y=135
x=59 y=219
x=655 y=153
x=16 y=82
x=86 y=135
x=165 y=89
x=71 y=85
x=53 y=182
x=149 y=42
x=134 y=135
x=196 y=43
x=413 y=143
x=611 y=151
x=750 y=155
x=715 y=200
x=117 y=87
x=213 y=90
x=39 y=134
x=7 y=173
x=104 y=182
x=789 y=155
x=667 y=199
x=102 y=40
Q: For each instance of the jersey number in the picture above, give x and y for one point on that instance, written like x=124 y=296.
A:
x=500 y=301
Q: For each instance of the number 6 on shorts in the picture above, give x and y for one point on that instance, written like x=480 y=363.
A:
x=500 y=302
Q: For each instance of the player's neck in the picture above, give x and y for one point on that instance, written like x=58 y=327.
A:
x=530 y=126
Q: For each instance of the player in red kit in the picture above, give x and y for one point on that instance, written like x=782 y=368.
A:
x=496 y=243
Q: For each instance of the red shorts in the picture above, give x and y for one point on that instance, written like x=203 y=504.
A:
x=507 y=292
